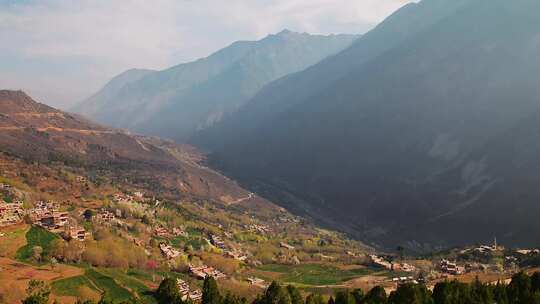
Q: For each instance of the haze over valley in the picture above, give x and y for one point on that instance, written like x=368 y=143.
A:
x=341 y=152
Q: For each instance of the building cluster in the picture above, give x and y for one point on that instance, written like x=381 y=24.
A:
x=217 y=241
x=404 y=280
x=11 y=213
x=179 y=232
x=262 y=229
x=201 y=272
x=186 y=292
x=403 y=267
x=257 y=282
x=451 y=267
x=168 y=251
x=235 y=254
x=105 y=216
x=48 y=215
x=74 y=233
x=380 y=261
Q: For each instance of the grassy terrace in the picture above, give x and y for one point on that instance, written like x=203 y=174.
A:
x=115 y=284
x=313 y=274
x=36 y=236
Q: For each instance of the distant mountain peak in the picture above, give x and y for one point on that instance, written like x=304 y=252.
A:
x=186 y=98
x=12 y=94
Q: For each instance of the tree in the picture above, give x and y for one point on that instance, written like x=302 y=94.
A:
x=314 y=299
x=88 y=214
x=167 y=292
x=499 y=294
x=410 y=294
x=38 y=293
x=535 y=282
x=377 y=295
x=344 y=297
x=358 y=295
x=519 y=289
x=233 y=299
x=294 y=294
x=331 y=300
x=36 y=253
x=210 y=292
x=275 y=294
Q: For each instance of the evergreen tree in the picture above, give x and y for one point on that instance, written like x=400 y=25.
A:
x=233 y=299
x=535 y=282
x=167 y=292
x=344 y=297
x=480 y=293
x=315 y=299
x=294 y=294
x=499 y=294
x=275 y=294
x=410 y=294
x=358 y=295
x=377 y=295
x=210 y=292
x=519 y=289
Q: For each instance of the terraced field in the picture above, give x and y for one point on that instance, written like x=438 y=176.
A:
x=311 y=274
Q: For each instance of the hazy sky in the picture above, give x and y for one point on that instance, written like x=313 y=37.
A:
x=62 y=51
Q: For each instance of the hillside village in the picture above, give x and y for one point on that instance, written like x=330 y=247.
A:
x=120 y=227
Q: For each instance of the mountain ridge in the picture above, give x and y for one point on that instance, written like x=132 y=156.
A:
x=179 y=101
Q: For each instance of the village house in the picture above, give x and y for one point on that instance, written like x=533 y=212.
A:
x=179 y=232
x=161 y=232
x=451 y=267
x=262 y=229
x=217 y=241
x=286 y=246
x=403 y=267
x=186 y=292
x=257 y=282
x=204 y=271
x=168 y=251
x=236 y=255
x=105 y=216
x=74 y=233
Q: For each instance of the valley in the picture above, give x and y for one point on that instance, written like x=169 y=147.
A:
x=394 y=161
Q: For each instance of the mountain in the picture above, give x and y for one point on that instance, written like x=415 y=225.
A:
x=177 y=102
x=410 y=135
x=35 y=132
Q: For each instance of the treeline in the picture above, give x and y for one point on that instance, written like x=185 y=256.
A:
x=523 y=289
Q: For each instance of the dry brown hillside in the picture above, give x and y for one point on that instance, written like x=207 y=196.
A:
x=36 y=132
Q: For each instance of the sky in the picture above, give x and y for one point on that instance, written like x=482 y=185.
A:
x=62 y=51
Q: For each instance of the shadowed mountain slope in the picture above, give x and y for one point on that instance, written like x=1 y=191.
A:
x=407 y=143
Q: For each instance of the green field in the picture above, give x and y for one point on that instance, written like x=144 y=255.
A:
x=113 y=283
x=125 y=279
x=111 y=289
x=70 y=286
x=36 y=236
x=314 y=274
